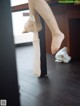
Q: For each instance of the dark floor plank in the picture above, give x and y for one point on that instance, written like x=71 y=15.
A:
x=61 y=87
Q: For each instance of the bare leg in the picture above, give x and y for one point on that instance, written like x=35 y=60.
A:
x=44 y=10
x=34 y=25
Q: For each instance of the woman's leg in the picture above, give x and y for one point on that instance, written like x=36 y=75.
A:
x=34 y=25
x=44 y=10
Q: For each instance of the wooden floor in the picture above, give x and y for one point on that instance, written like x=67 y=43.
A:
x=61 y=87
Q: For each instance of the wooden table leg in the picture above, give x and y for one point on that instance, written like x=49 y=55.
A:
x=43 y=49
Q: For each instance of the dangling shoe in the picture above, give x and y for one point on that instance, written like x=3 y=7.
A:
x=31 y=24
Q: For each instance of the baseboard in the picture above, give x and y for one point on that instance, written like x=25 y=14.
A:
x=23 y=44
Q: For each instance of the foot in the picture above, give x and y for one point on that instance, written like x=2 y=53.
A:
x=56 y=42
x=29 y=26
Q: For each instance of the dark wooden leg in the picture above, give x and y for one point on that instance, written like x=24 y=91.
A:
x=43 y=50
x=8 y=74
